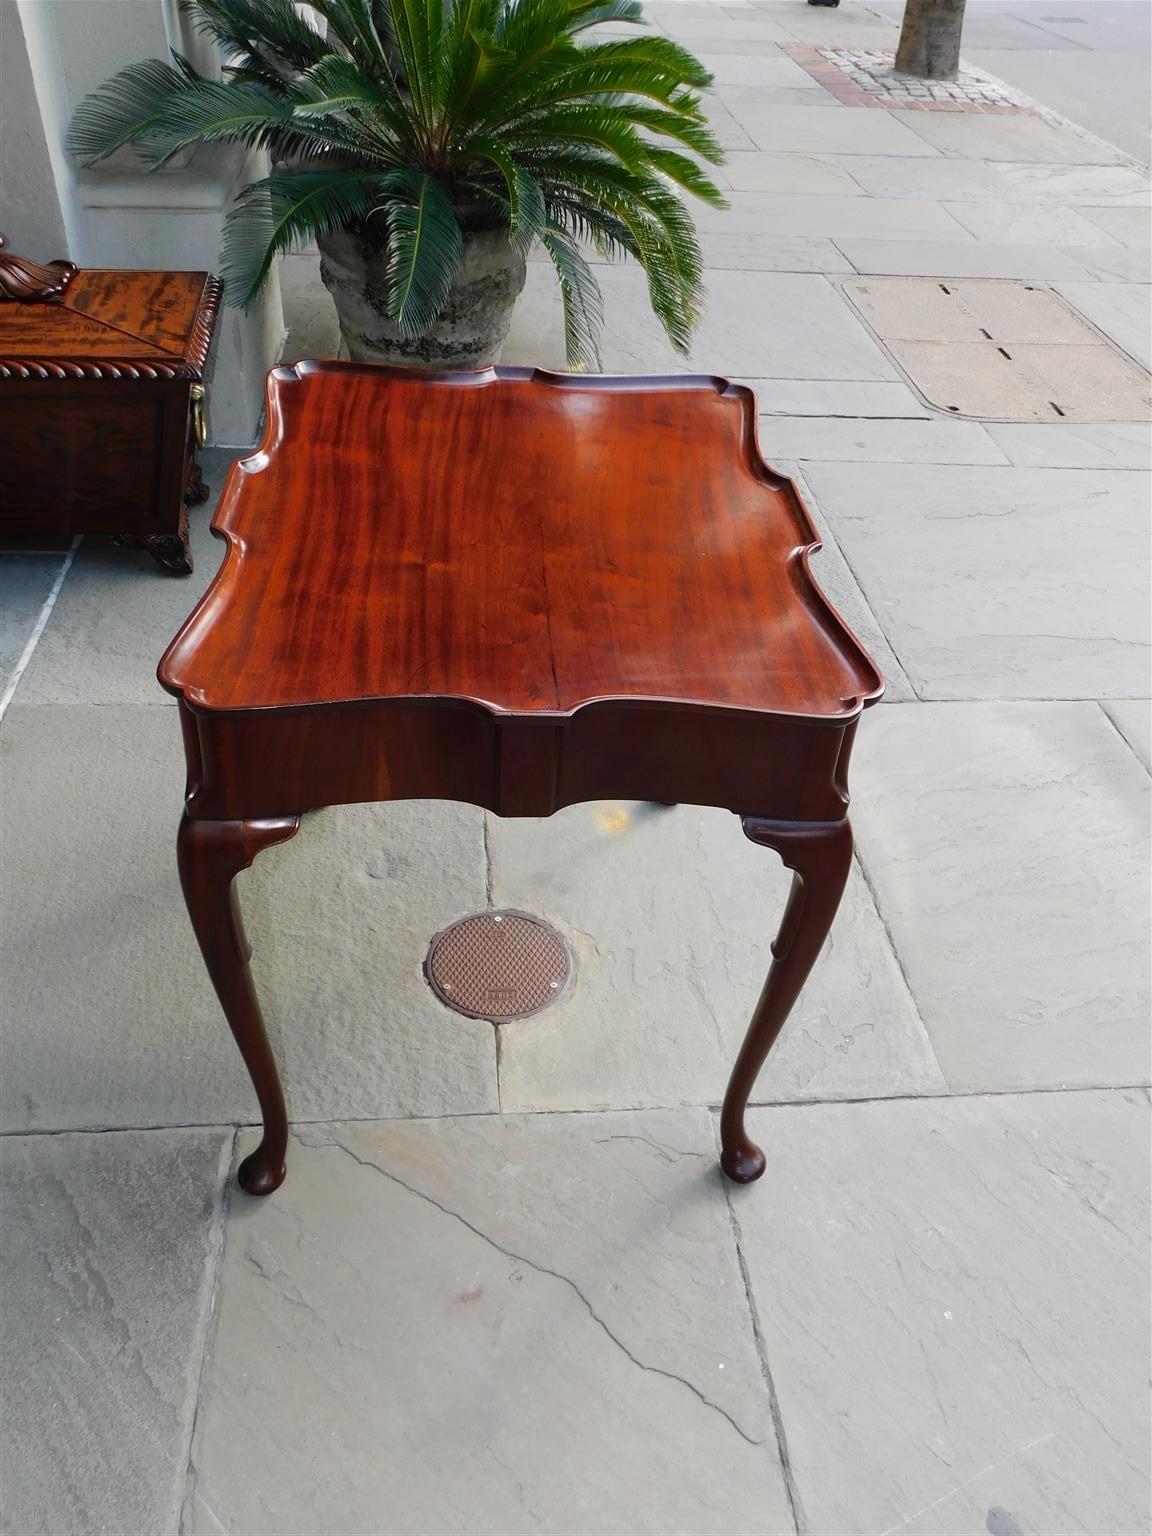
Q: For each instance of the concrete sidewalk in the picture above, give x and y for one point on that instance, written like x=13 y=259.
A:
x=504 y=1288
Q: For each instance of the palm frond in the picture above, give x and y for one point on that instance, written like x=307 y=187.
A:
x=463 y=56
x=412 y=23
x=336 y=85
x=270 y=29
x=210 y=110
x=603 y=126
x=424 y=246
x=687 y=174
x=124 y=109
x=583 y=301
x=527 y=215
x=287 y=210
x=592 y=226
x=685 y=124
x=594 y=13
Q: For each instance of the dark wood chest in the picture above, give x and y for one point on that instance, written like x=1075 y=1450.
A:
x=101 y=407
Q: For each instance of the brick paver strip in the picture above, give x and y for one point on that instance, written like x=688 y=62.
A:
x=866 y=77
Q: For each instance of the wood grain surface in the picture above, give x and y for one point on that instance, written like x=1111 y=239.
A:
x=528 y=541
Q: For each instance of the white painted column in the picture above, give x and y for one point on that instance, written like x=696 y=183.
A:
x=30 y=213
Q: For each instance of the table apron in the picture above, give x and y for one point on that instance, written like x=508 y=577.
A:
x=260 y=763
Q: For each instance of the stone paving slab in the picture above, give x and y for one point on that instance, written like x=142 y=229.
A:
x=109 y=1017
x=1109 y=445
x=761 y=42
x=835 y=398
x=742 y=251
x=788 y=96
x=839 y=28
x=754 y=252
x=1000 y=583
x=671 y=914
x=729 y=133
x=1131 y=226
x=110 y=1245
x=1082 y=185
x=117 y=611
x=1028 y=140
x=763 y=71
x=947 y=258
x=826 y=129
x=896 y=176
x=1007 y=845
x=1123 y=311
x=25 y=582
x=710 y=27
x=979 y=181
x=488 y=1325
x=838 y=216
x=839 y=584
x=1133 y=719
x=953 y=1297
x=779 y=324
x=810 y=175
x=1028 y=224
x=905 y=442
x=1118 y=264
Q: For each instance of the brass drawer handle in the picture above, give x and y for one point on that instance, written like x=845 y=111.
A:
x=199 y=425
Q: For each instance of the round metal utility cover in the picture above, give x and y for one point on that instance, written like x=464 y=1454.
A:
x=498 y=966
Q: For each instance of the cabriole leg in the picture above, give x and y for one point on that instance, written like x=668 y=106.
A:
x=820 y=855
x=211 y=854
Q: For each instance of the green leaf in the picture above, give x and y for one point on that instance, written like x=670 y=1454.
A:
x=683 y=125
x=124 y=109
x=424 y=248
x=687 y=174
x=272 y=30
x=527 y=215
x=285 y=211
x=212 y=110
x=583 y=302
x=604 y=126
x=594 y=13
x=337 y=85
x=414 y=22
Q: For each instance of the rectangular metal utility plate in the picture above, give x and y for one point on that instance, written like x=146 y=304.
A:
x=1000 y=351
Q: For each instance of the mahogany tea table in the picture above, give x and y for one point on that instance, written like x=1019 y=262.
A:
x=520 y=590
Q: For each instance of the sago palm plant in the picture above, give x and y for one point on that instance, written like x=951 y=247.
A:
x=417 y=122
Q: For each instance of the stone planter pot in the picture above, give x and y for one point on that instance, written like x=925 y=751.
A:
x=469 y=331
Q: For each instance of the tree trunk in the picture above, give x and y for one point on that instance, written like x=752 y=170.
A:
x=930 y=39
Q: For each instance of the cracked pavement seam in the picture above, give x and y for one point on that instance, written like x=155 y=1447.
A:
x=541 y=1269
x=189 y=1492
x=791 y=1487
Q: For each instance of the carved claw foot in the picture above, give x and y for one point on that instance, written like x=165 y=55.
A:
x=196 y=491
x=170 y=552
